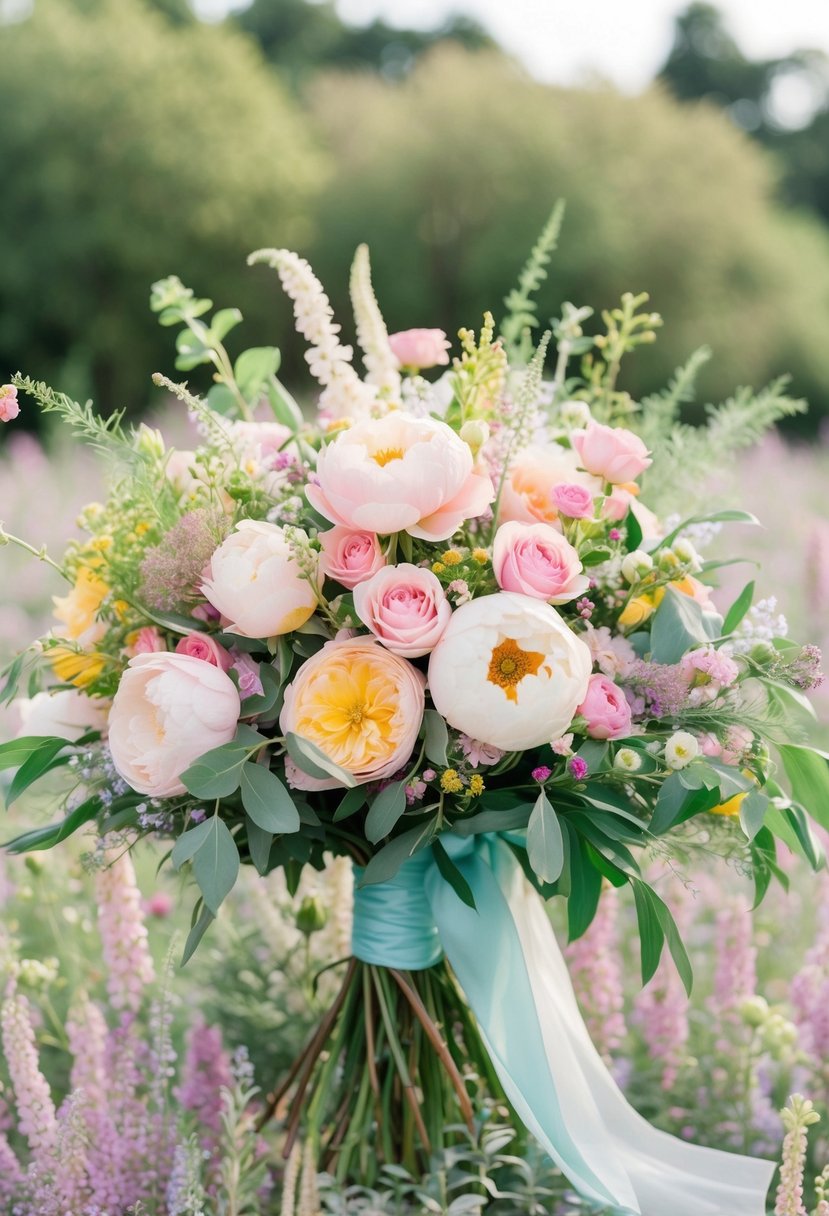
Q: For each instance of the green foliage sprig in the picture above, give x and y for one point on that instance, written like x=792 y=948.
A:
x=521 y=316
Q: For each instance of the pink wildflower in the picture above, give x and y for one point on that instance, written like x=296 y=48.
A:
x=577 y=767
x=35 y=1108
x=478 y=754
x=123 y=933
x=597 y=977
x=9 y=405
x=541 y=774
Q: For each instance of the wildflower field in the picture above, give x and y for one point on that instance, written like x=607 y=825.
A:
x=113 y=1055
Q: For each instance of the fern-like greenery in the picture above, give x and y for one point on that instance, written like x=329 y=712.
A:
x=521 y=315
x=106 y=434
x=685 y=458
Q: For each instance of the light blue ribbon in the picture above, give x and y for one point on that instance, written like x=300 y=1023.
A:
x=404 y=922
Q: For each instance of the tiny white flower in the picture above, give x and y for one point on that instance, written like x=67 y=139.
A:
x=681 y=749
x=686 y=553
x=636 y=565
x=628 y=760
x=575 y=413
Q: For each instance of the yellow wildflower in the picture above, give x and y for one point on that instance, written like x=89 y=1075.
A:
x=438 y=567
x=450 y=782
x=80 y=668
x=451 y=557
x=476 y=785
x=78 y=610
x=481 y=556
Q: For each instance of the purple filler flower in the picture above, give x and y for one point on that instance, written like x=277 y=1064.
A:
x=541 y=774
x=577 y=767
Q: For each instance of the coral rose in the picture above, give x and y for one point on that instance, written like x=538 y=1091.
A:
x=350 y=557
x=169 y=710
x=611 y=452
x=509 y=672
x=360 y=705
x=535 y=560
x=605 y=710
x=405 y=607
x=397 y=474
x=533 y=476
x=255 y=581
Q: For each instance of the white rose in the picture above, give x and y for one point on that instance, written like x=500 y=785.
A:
x=169 y=710
x=255 y=582
x=66 y=714
x=509 y=672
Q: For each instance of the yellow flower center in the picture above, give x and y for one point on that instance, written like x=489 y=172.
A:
x=386 y=455
x=509 y=664
x=351 y=712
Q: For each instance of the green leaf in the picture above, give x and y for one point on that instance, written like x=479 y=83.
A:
x=699 y=775
x=510 y=819
x=675 y=943
x=223 y=322
x=633 y=532
x=217 y=773
x=385 y=863
x=222 y=400
x=729 y=516
x=675 y=803
x=47 y=837
x=35 y=766
x=197 y=932
x=753 y=812
x=585 y=886
x=545 y=846
x=267 y=801
x=651 y=934
x=452 y=874
x=259 y=844
x=808 y=775
x=351 y=803
x=435 y=737
x=739 y=608
x=17 y=751
x=314 y=762
x=284 y=407
x=678 y=624
x=386 y=809
x=189 y=843
x=254 y=368
x=216 y=864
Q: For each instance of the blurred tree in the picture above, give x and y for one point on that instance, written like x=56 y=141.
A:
x=450 y=175
x=299 y=37
x=132 y=147
x=783 y=102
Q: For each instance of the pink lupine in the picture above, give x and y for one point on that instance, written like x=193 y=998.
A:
x=35 y=1108
x=11 y=1175
x=597 y=976
x=123 y=932
x=87 y=1033
x=809 y=989
x=735 y=978
x=205 y=1074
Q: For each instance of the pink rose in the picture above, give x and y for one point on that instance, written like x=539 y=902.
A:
x=203 y=646
x=9 y=405
x=350 y=557
x=611 y=452
x=574 y=501
x=169 y=710
x=147 y=641
x=527 y=494
x=605 y=710
x=536 y=560
x=405 y=607
x=419 y=348
x=399 y=473
x=616 y=506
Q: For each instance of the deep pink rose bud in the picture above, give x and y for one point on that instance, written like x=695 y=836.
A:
x=203 y=646
x=575 y=502
x=605 y=709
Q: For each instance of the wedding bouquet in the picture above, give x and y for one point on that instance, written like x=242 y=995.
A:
x=447 y=628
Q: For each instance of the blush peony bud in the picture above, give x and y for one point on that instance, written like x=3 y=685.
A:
x=416 y=349
x=611 y=452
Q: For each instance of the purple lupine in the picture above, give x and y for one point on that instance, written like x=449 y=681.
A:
x=597 y=977
x=87 y=1033
x=206 y=1072
x=11 y=1175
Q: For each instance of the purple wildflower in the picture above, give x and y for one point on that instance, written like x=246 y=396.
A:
x=595 y=967
x=577 y=767
x=655 y=690
x=541 y=774
x=172 y=571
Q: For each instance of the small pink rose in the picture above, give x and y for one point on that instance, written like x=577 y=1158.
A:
x=9 y=405
x=611 y=452
x=616 y=506
x=203 y=646
x=147 y=641
x=710 y=745
x=605 y=710
x=350 y=557
x=405 y=607
x=573 y=501
x=536 y=560
x=420 y=348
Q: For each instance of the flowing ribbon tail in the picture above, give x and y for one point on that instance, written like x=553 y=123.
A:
x=508 y=962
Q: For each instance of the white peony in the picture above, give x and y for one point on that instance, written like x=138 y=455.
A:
x=169 y=710
x=255 y=582
x=509 y=671
x=66 y=714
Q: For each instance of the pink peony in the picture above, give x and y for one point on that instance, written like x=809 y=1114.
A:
x=203 y=646
x=405 y=607
x=147 y=641
x=169 y=710
x=420 y=348
x=536 y=560
x=350 y=557
x=360 y=704
x=573 y=501
x=611 y=452
x=399 y=473
x=527 y=494
x=605 y=710
x=9 y=405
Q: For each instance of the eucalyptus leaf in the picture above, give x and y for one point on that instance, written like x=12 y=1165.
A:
x=259 y=844
x=435 y=737
x=216 y=864
x=678 y=624
x=267 y=801
x=545 y=846
x=452 y=874
x=385 y=811
x=197 y=931
x=388 y=860
x=189 y=843
x=314 y=762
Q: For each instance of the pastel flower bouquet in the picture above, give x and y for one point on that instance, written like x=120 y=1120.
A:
x=440 y=629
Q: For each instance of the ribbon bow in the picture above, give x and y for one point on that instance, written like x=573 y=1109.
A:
x=507 y=960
